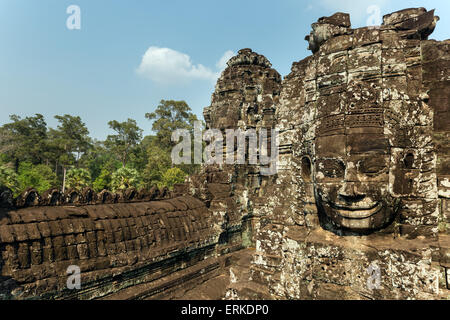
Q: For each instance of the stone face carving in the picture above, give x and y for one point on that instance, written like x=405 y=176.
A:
x=360 y=112
x=245 y=94
x=351 y=182
x=245 y=98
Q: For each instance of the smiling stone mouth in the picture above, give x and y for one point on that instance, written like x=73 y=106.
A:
x=357 y=212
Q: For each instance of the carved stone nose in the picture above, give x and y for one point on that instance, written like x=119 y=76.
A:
x=350 y=193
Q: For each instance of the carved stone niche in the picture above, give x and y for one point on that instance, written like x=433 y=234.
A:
x=6 y=197
x=180 y=189
x=106 y=196
x=29 y=198
x=164 y=193
x=154 y=193
x=73 y=196
x=88 y=195
x=143 y=195
x=52 y=197
x=128 y=195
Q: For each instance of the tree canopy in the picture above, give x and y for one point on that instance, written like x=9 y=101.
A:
x=24 y=139
x=33 y=155
x=70 y=140
x=126 y=140
x=169 y=116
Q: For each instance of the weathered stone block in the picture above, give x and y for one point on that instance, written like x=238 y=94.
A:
x=366 y=36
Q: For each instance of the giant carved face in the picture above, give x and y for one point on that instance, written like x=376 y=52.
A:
x=351 y=181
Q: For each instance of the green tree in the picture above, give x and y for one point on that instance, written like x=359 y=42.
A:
x=69 y=141
x=8 y=178
x=41 y=177
x=125 y=141
x=78 y=179
x=173 y=176
x=159 y=161
x=6 y=145
x=99 y=158
x=71 y=138
x=124 y=178
x=138 y=158
x=103 y=181
x=24 y=139
x=169 y=116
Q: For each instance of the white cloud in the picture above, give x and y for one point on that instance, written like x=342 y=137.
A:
x=168 y=66
x=222 y=63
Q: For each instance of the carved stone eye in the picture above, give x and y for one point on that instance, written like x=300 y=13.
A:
x=372 y=166
x=333 y=168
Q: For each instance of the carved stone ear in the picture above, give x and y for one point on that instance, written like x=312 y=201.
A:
x=311 y=215
x=306 y=168
x=29 y=198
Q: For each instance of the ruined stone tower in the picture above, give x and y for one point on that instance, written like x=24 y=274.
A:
x=363 y=175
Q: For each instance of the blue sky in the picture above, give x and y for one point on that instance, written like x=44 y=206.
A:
x=128 y=55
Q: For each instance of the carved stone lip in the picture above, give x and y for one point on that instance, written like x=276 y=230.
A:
x=357 y=212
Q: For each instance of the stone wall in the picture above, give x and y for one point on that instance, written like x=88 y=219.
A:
x=115 y=245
